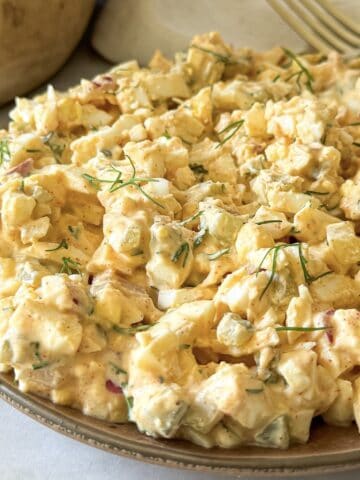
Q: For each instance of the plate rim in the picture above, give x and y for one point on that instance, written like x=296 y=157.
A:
x=47 y=414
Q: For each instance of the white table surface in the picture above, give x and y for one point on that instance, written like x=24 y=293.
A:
x=30 y=451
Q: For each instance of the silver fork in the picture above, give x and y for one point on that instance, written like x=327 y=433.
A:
x=321 y=24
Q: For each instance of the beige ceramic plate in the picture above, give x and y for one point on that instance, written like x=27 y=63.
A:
x=330 y=449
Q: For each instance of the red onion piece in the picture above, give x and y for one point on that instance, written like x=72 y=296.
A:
x=112 y=387
x=24 y=168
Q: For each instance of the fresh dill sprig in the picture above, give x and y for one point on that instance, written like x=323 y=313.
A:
x=232 y=128
x=69 y=266
x=299 y=329
x=220 y=58
x=357 y=144
x=307 y=276
x=265 y=222
x=216 y=255
x=131 y=330
x=275 y=79
x=118 y=183
x=5 y=155
x=273 y=267
x=62 y=244
x=192 y=218
x=94 y=182
x=183 y=250
x=302 y=72
x=354 y=124
x=55 y=148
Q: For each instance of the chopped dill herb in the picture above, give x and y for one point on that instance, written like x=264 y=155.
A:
x=119 y=183
x=183 y=250
x=69 y=266
x=357 y=144
x=129 y=402
x=33 y=150
x=62 y=244
x=131 y=330
x=56 y=149
x=265 y=222
x=220 y=58
x=216 y=255
x=184 y=346
x=354 y=124
x=37 y=366
x=302 y=72
x=166 y=134
x=41 y=363
x=307 y=276
x=5 y=155
x=117 y=369
x=94 y=182
x=74 y=231
x=299 y=329
x=191 y=219
x=275 y=79
x=273 y=268
x=36 y=347
x=232 y=128
x=22 y=186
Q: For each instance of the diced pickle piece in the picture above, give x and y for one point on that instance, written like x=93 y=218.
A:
x=159 y=413
x=203 y=415
x=275 y=434
x=224 y=437
x=233 y=330
x=196 y=437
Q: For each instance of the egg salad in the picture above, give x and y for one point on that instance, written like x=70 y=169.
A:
x=179 y=245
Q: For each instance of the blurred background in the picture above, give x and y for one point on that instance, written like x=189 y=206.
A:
x=62 y=41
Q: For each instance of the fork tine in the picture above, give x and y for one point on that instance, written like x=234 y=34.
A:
x=339 y=15
x=325 y=17
x=304 y=33
x=318 y=27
